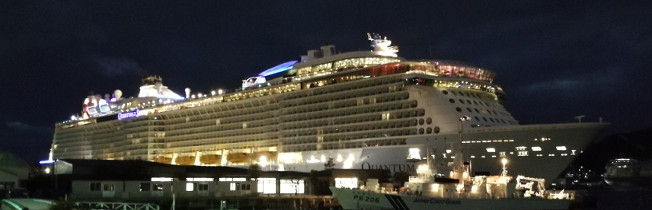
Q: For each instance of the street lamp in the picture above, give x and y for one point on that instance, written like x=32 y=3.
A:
x=504 y=161
x=462 y=119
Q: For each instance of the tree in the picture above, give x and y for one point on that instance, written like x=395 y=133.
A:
x=401 y=177
x=330 y=164
x=254 y=171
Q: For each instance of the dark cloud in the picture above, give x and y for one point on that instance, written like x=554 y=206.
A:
x=112 y=67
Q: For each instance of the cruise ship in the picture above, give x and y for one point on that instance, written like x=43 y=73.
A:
x=360 y=110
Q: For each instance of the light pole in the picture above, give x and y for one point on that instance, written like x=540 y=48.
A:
x=504 y=172
x=461 y=128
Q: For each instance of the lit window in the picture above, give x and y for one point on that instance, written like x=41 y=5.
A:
x=346 y=183
x=521 y=148
x=491 y=149
x=561 y=148
x=536 y=149
x=190 y=187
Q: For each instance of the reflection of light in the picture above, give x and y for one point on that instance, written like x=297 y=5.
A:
x=460 y=187
x=561 y=148
x=263 y=161
x=491 y=149
x=448 y=151
x=47 y=170
x=348 y=164
x=434 y=187
x=339 y=158
x=312 y=160
x=161 y=179
x=474 y=189
x=414 y=153
x=536 y=148
x=465 y=175
x=323 y=158
x=200 y=179
x=504 y=161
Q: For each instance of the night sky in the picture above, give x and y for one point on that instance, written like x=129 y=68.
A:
x=554 y=59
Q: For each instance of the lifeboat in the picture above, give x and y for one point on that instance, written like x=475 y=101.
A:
x=210 y=159
x=185 y=160
x=238 y=157
x=161 y=159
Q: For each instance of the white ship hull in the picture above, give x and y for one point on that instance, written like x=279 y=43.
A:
x=357 y=199
x=573 y=136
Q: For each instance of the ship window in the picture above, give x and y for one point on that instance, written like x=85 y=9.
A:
x=444 y=91
x=458 y=109
x=429 y=130
x=436 y=129
x=420 y=130
x=461 y=101
x=421 y=121
x=451 y=100
x=429 y=120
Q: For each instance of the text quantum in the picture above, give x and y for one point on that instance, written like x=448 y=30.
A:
x=127 y=115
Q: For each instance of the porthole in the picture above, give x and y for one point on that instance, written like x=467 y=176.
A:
x=421 y=121
x=445 y=92
x=461 y=101
x=452 y=100
x=436 y=129
x=468 y=109
x=458 y=109
x=429 y=130
x=429 y=120
x=420 y=130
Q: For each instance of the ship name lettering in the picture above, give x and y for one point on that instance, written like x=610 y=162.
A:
x=390 y=167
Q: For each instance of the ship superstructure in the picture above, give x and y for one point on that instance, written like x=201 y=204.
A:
x=362 y=109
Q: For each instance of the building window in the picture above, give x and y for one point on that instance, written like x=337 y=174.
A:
x=292 y=186
x=145 y=186
x=190 y=187
x=109 y=187
x=96 y=186
x=158 y=187
x=346 y=183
